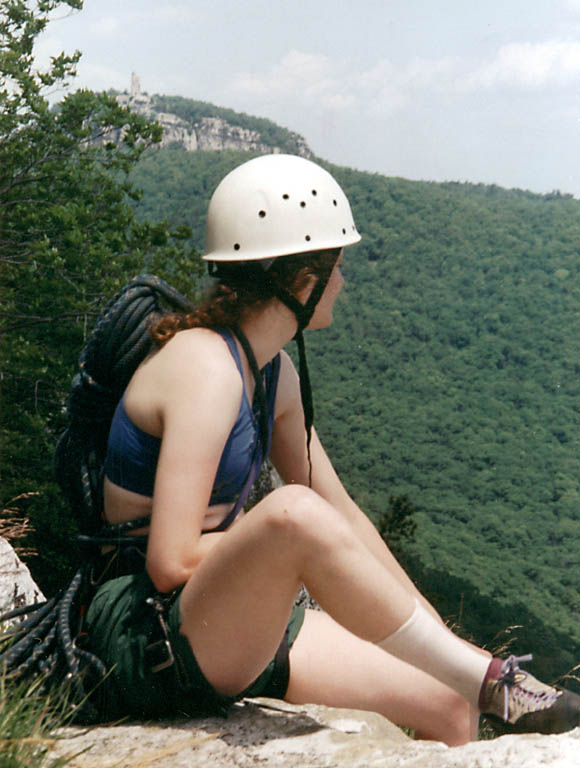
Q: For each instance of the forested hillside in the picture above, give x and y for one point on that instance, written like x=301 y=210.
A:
x=451 y=374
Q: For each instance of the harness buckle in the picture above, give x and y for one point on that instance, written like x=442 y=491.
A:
x=159 y=653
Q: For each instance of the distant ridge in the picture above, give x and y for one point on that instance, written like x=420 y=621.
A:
x=199 y=126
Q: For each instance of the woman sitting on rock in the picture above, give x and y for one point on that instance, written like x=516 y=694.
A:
x=213 y=618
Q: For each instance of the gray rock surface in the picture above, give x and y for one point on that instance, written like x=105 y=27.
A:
x=263 y=732
x=17 y=587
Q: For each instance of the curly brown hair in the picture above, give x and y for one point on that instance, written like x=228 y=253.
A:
x=246 y=287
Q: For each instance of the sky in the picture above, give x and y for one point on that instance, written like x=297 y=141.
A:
x=438 y=90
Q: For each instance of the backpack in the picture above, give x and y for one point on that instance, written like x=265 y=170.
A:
x=119 y=342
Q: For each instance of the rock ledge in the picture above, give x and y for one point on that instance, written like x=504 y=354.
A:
x=272 y=733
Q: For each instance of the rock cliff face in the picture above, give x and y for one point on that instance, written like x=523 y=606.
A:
x=17 y=588
x=209 y=133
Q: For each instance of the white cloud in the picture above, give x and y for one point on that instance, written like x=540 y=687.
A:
x=318 y=81
x=177 y=13
x=308 y=78
x=529 y=66
x=107 y=27
x=314 y=81
x=396 y=88
x=45 y=48
x=428 y=73
x=381 y=88
x=100 y=77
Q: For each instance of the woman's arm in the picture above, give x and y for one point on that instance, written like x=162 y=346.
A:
x=198 y=388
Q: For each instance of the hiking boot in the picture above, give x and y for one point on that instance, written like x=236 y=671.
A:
x=515 y=702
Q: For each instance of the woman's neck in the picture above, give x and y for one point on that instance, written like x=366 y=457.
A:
x=269 y=330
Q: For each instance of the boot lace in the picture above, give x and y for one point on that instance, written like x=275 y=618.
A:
x=522 y=693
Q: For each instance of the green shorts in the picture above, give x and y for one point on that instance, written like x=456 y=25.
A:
x=121 y=625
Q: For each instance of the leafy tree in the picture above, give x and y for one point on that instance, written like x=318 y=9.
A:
x=68 y=240
x=397 y=525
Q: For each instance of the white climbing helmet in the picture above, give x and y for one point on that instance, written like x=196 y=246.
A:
x=277 y=205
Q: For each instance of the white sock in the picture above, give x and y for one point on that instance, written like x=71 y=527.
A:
x=425 y=643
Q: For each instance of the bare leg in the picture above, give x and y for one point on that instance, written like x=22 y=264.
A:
x=236 y=604
x=329 y=665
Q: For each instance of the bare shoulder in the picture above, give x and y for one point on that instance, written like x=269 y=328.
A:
x=194 y=369
x=202 y=346
x=199 y=358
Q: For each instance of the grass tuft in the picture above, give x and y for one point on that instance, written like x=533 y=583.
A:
x=28 y=720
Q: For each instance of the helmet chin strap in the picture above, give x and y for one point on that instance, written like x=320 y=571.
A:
x=304 y=313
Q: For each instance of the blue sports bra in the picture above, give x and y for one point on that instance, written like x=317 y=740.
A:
x=132 y=454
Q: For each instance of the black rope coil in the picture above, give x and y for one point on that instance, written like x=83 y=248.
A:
x=119 y=342
x=42 y=646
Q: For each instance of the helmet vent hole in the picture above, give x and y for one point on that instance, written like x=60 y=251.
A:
x=314 y=192
x=285 y=196
x=262 y=214
x=334 y=203
x=307 y=238
x=343 y=231
x=303 y=204
x=236 y=246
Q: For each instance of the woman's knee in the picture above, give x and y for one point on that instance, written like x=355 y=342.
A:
x=298 y=514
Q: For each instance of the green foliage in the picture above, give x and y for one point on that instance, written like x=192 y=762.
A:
x=397 y=525
x=501 y=627
x=453 y=368
x=68 y=241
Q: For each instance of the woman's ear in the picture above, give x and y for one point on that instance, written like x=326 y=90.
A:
x=304 y=284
